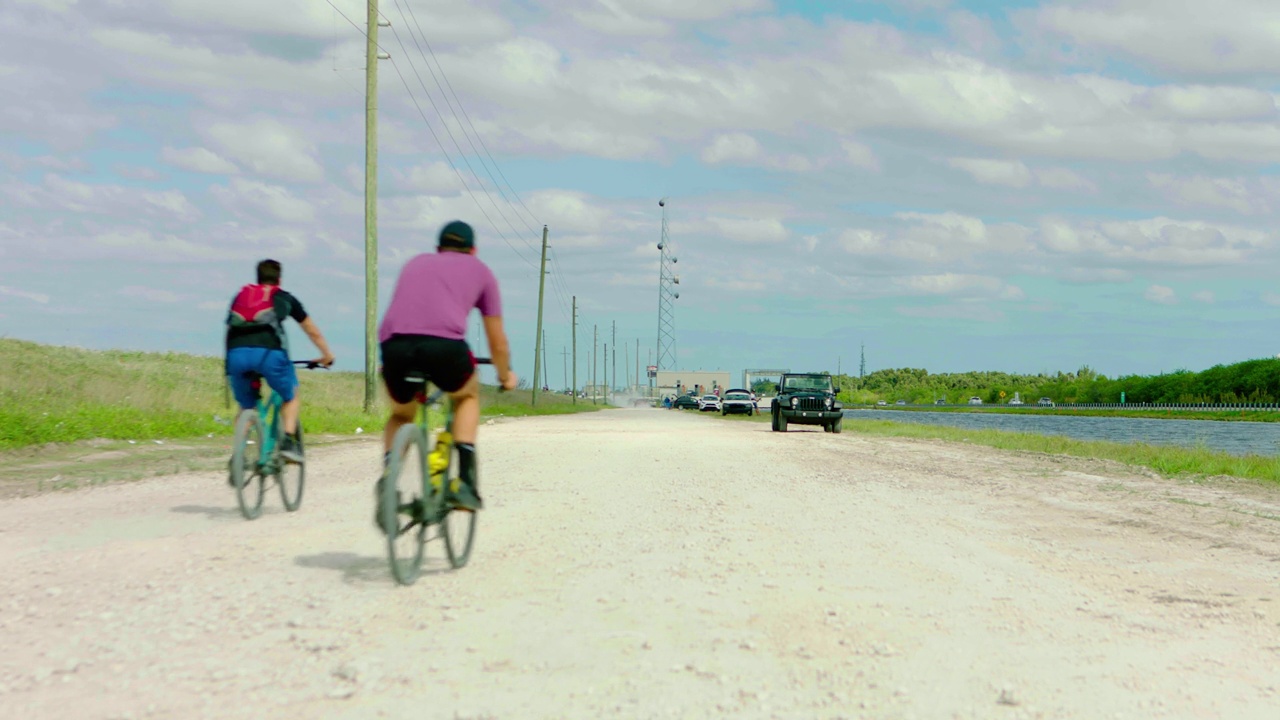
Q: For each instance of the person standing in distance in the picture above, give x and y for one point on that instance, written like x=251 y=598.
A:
x=425 y=329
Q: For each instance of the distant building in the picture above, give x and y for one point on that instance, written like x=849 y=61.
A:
x=701 y=382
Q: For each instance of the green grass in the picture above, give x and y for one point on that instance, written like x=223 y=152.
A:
x=60 y=394
x=1242 y=415
x=1168 y=461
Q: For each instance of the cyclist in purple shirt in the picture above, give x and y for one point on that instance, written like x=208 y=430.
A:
x=425 y=329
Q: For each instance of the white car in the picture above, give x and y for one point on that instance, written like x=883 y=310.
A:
x=737 y=401
x=975 y=400
x=709 y=402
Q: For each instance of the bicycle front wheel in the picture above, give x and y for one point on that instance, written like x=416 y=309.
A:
x=400 y=504
x=458 y=526
x=246 y=464
x=291 y=476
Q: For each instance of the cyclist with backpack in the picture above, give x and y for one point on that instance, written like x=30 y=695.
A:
x=257 y=345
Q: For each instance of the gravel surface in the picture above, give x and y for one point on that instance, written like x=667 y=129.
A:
x=653 y=564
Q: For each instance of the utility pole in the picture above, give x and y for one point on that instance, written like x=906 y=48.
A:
x=372 y=56
x=605 y=367
x=862 y=363
x=537 y=342
x=615 y=356
x=564 y=355
x=546 y=368
x=637 y=366
x=595 y=339
x=575 y=350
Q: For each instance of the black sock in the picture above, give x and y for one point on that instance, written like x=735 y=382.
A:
x=467 y=462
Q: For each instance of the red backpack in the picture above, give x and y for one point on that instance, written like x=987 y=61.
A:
x=254 y=309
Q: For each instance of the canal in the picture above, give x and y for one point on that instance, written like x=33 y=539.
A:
x=1235 y=438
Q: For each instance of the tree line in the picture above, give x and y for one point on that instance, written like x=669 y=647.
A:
x=1248 y=381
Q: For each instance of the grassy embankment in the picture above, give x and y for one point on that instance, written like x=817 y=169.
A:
x=1168 y=461
x=59 y=395
x=1242 y=415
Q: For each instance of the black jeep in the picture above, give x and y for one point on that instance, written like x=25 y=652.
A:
x=807 y=399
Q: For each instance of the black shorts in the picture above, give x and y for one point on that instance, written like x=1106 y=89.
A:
x=448 y=364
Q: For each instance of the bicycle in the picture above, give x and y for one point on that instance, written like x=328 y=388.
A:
x=265 y=462
x=407 y=514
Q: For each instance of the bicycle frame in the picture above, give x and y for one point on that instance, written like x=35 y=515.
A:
x=269 y=415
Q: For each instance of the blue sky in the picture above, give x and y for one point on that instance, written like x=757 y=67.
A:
x=1019 y=186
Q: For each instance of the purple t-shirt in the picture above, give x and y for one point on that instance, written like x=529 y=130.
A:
x=435 y=294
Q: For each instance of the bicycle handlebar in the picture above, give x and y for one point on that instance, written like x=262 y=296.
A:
x=310 y=364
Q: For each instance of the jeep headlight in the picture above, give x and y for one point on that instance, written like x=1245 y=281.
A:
x=828 y=403
x=795 y=401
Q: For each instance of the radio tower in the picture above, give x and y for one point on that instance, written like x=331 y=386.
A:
x=667 y=280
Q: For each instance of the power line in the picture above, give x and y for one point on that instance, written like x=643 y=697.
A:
x=463 y=180
x=461 y=153
x=467 y=117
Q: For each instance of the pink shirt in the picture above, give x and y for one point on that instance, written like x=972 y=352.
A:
x=436 y=292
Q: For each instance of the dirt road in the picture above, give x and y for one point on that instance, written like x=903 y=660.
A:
x=654 y=564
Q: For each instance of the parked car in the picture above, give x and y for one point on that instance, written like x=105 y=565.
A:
x=1045 y=402
x=975 y=400
x=687 y=402
x=940 y=401
x=1015 y=401
x=737 y=401
x=881 y=402
x=709 y=402
x=901 y=402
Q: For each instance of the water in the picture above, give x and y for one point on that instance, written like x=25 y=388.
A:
x=1235 y=438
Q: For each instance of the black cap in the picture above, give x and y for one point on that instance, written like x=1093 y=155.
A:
x=459 y=235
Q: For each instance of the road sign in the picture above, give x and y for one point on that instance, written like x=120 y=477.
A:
x=653 y=370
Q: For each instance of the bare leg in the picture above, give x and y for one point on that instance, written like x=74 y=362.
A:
x=466 y=410
x=401 y=414
x=290 y=412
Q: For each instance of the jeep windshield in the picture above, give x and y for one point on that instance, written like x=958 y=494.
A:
x=814 y=383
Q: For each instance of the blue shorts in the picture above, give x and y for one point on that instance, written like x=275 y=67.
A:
x=273 y=365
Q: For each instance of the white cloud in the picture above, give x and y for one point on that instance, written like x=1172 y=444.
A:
x=1231 y=37
x=1011 y=173
x=1271 y=298
x=1161 y=294
x=732 y=148
x=1204 y=296
x=434 y=177
x=258 y=198
x=1063 y=179
x=270 y=148
x=751 y=231
x=199 y=159
x=859 y=155
x=655 y=17
x=41 y=298
x=58 y=192
x=1247 y=196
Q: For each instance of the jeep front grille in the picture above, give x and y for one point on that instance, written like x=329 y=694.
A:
x=812 y=403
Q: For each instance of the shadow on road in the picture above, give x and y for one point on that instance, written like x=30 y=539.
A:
x=355 y=569
x=213 y=513
x=363 y=569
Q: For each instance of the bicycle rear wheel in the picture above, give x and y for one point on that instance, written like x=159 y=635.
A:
x=246 y=464
x=458 y=526
x=401 y=504
x=291 y=477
